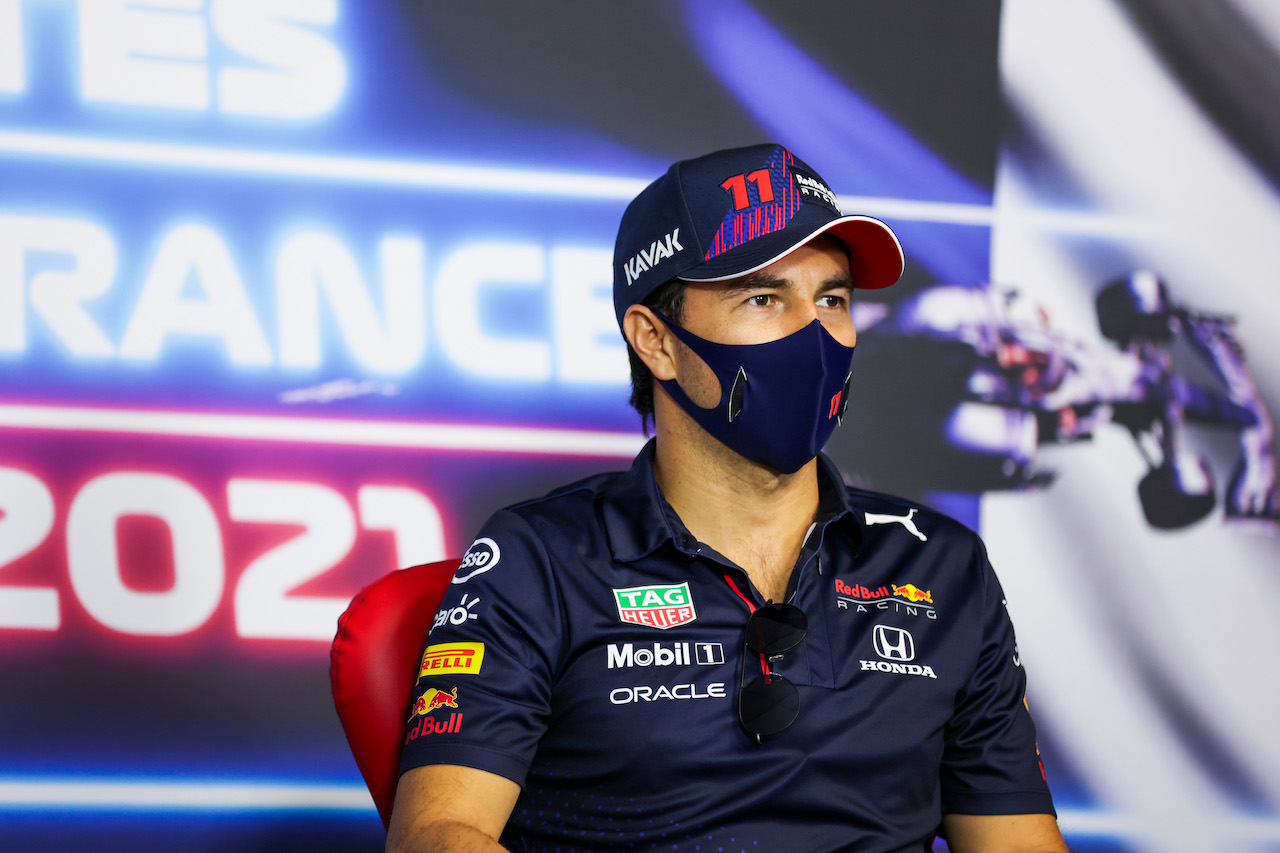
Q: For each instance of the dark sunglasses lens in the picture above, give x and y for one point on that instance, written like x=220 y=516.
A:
x=775 y=628
x=768 y=705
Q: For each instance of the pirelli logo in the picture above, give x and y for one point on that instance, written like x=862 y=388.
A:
x=452 y=658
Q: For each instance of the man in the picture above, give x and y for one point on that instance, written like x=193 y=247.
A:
x=724 y=648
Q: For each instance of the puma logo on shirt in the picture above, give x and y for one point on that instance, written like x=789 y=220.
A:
x=904 y=520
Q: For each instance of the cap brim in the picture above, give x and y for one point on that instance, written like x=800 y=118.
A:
x=875 y=256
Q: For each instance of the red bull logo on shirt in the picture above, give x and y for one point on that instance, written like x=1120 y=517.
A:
x=430 y=701
x=659 y=607
x=433 y=699
x=907 y=598
x=911 y=592
x=861 y=593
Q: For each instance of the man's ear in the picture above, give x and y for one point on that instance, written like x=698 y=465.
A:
x=651 y=340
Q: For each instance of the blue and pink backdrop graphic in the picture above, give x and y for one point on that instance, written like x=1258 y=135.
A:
x=296 y=293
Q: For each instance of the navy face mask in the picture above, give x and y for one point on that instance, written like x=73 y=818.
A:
x=779 y=401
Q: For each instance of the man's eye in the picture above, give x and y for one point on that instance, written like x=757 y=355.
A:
x=832 y=301
x=761 y=299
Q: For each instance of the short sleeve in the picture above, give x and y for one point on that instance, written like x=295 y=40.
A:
x=991 y=764
x=483 y=692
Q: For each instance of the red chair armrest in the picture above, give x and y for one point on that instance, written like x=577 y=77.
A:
x=372 y=668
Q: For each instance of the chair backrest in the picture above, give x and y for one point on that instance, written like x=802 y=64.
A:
x=372 y=665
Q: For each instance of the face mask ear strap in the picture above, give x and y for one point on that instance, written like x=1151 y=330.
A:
x=735 y=394
x=844 y=397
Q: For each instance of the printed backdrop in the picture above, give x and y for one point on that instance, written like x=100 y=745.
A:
x=296 y=293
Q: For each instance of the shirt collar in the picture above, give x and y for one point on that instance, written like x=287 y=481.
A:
x=639 y=520
x=636 y=515
x=833 y=497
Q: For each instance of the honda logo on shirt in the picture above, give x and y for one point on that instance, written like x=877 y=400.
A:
x=894 y=643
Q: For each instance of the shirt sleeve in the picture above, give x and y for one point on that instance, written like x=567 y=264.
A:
x=991 y=764
x=483 y=692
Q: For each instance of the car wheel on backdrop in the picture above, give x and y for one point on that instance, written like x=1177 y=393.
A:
x=1177 y=493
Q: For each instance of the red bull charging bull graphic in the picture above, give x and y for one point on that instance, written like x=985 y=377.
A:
x=430 y=701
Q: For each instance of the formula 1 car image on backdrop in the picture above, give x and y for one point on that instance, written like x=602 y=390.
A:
x=963 y=385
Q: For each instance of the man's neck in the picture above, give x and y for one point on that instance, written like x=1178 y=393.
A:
x=755 y=516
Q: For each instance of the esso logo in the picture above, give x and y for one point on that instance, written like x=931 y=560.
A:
x=482 y=556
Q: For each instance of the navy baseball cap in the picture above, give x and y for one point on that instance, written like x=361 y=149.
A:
x=732 y=212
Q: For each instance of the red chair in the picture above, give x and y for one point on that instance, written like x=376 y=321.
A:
x=372 y=665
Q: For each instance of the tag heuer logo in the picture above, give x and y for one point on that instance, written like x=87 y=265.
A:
x=656 y=606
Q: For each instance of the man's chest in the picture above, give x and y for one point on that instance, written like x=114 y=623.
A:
x=663 y=655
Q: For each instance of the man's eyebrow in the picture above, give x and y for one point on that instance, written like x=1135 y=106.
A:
x=760 y=280
x=841 y=281
x=754 y=281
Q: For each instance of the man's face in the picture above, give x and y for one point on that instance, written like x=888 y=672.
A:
x=811 y=283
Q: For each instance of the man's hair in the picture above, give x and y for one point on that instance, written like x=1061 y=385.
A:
x=667 y=300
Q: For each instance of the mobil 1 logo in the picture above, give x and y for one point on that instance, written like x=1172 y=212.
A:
x=627 y=655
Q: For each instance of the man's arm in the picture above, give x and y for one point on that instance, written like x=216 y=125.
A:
x=1014 y=833
x=450 y=809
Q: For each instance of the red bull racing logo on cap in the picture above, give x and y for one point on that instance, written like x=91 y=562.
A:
x=656 y=606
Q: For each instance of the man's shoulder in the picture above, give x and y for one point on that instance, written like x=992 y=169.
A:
x=564 y=502
x=597 y=514
x=872 y=501
x=872 y=507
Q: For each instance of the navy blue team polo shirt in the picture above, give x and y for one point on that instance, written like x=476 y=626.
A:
x=591 y=650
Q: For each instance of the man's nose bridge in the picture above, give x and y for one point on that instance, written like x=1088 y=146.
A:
x=810 y=309
x=802 y=316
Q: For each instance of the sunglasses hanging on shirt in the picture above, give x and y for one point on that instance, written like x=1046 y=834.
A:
x=770 y=703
